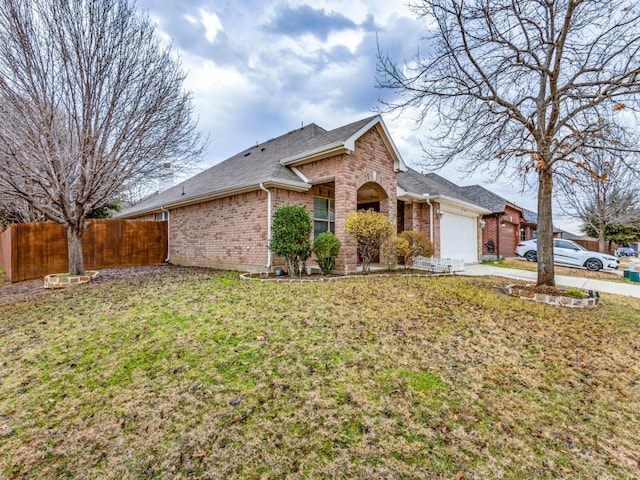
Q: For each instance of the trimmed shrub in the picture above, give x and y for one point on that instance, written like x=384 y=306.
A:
x=392 y=249
x=290 y=236
x=419 y=246
x=326 y=249
x=370 y=229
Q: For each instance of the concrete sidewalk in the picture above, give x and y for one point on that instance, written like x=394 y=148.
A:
x=616 y=288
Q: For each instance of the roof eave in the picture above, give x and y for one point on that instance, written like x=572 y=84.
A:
x=319 y=153
x=398 y=162
x=348 y=146
x=402 y=194
x=227 y=192
x=460 y=203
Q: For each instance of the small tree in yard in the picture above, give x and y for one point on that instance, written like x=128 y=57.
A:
x=370 y=229
x=392 y=249
x=90 y=103
x=419 y=246
x=290 y=236
x=326 y=249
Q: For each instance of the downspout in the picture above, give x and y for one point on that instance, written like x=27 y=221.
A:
x=498 y=236
x=426 y=197
x=166 y=260
x=262 y=187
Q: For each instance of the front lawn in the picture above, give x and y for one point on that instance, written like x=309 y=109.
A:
x=196 y=374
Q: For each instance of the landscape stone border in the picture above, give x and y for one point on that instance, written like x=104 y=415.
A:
x=526 y=293
x=333 y=278
x=63 y=280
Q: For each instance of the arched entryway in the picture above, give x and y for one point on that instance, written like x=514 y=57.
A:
x=372 y=196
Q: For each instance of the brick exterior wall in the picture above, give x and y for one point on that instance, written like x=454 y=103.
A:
x=505 y=238
x=228 y=233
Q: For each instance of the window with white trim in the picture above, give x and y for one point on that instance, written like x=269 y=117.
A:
x=324 y=216
x=161 y=216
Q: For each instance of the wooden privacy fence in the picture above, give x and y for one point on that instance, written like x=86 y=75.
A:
x=33 y=250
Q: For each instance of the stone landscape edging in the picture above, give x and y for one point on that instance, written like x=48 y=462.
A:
x=519 y=291
x=320 y=278
x=55 y=281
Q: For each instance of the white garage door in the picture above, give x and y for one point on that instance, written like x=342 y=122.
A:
x=458 y=237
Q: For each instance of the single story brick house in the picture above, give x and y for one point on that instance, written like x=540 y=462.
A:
x=222 y=216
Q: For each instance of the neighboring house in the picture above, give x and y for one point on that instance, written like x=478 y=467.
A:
x=222 y=216
x=505 y=226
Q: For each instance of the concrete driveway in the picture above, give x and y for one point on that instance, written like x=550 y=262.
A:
x=616 y=288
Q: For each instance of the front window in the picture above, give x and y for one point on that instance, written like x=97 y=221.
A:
x=324 y=216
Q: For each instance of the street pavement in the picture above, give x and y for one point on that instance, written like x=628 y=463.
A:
x=616 y=288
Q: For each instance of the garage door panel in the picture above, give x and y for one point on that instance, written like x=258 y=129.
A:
x=508 y=240
x=458 y=237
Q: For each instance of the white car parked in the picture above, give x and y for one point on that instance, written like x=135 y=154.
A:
x=566 y=252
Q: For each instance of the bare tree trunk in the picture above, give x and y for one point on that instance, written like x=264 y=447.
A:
x=602 y=241
x=76 y=259
x=545 y=228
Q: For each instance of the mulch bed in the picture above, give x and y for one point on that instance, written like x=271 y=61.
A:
x=28 y=289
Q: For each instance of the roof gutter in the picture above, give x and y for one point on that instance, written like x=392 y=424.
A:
x=269 y=206
x=461 y=203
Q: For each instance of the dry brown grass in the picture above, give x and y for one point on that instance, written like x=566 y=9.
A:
x=197 y=374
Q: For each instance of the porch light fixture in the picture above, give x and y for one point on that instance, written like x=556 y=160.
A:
x=439 y=212
x=482 y=223
x=503 y=225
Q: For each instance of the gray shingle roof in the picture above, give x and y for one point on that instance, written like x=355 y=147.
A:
x=529 y=216
x=252 y=166
x=433 y=184
x=486 y=198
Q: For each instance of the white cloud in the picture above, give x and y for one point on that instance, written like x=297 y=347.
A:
x=251 y=83
x=211 y=23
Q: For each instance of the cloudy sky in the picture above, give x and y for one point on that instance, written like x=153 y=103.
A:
x=260 y=68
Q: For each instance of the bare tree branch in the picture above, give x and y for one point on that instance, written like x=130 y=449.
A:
x=90 y=103
x=523 y=87
x=600 y=189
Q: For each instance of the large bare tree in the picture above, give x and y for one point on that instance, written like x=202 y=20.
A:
x=15 y=210
x=602 y=192
x=90 y=102
x=521 y=86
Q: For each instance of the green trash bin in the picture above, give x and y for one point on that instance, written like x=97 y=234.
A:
x=634 y=276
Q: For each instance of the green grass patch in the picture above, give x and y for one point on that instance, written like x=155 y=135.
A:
x=195 y=374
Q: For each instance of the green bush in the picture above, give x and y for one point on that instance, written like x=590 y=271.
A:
x=290 y=236
x=419 y=246
x=370 y=229
x=392 y=249
x=326 y=249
